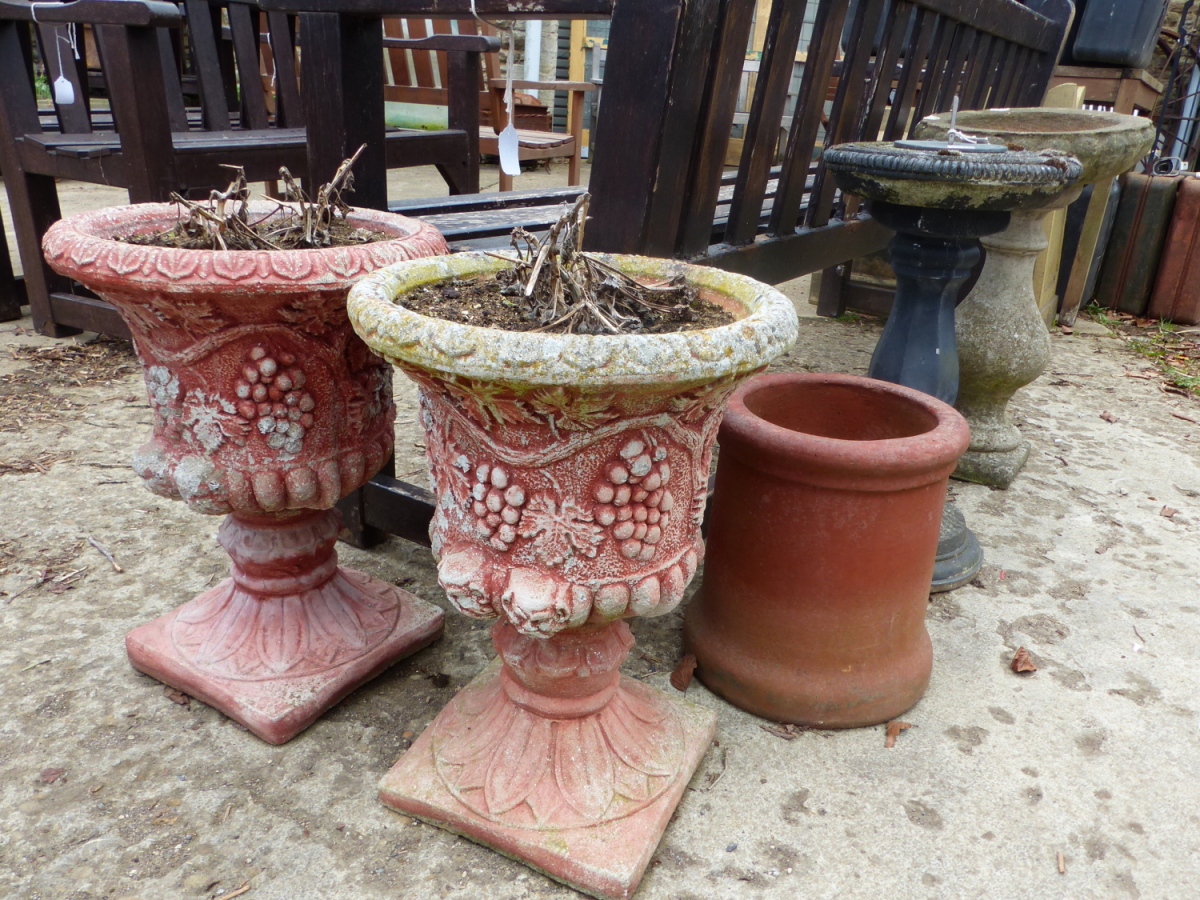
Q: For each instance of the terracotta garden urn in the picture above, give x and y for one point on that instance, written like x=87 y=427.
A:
x=267 y=409
x=571 y=476
x=822 y=536
x=1003 y=343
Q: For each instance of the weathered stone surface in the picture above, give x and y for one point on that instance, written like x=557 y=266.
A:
x=267 y=408
x=950 y=179
x=1002 y=340
x=1105 y=143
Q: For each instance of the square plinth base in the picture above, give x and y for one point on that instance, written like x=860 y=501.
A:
x=278 y=709
x=605 y=861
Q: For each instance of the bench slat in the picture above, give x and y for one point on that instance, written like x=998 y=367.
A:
x=766 y=114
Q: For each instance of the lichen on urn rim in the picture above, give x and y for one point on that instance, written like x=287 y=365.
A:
x=1013 y=167
x=767 y=328
x=87 y=246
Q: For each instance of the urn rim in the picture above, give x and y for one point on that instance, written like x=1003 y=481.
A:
x=895 y=462
x=85 y=246
x=767 y=329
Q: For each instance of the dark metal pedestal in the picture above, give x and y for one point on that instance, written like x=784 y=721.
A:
x=933 y=253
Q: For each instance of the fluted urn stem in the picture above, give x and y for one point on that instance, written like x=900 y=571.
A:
x=1002 y=346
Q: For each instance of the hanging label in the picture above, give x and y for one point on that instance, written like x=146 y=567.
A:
x=64 y=91
x=509 y=144
x=510 y=160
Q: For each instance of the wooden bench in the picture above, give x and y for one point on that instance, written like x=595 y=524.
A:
x=151 y=143
x=659 y=183
x=413 y=77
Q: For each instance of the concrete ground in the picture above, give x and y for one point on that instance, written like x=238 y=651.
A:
x=1079 y=781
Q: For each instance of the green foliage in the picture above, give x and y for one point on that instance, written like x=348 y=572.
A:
x=1098 y=313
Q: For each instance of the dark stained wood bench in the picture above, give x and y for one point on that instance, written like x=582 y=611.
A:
x=659 y=183
x=151 y=143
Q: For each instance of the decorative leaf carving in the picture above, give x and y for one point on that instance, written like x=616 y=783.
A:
x=513 y=766
x=198 y=317
x=559 y=532
x=572 y=411
x=213 y=421
x=310 y=314
x=513 y=776
x=583 y=767
x=282 y=634
x=235 y=634
x=698 y=402
x=488 y=403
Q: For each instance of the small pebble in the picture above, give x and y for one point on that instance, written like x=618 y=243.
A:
x=731 y=848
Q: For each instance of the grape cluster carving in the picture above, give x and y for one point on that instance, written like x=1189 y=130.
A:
x=633 y=501
x=497 y=506
x=271 y=396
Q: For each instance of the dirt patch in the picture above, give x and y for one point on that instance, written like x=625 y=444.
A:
x=28 y=395
x=923 y=816
x=1174 y=350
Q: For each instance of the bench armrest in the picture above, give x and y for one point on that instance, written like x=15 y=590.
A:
x=463 y=43
x=522 y=85
x=141 y=13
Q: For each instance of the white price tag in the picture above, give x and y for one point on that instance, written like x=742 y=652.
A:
x=64 y=92
x=510 y=160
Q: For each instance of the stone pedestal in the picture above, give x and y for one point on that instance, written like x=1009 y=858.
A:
x=932 y=254
x=940 y=202
x=1003 y=344
x=553 y=757
x=289 y=633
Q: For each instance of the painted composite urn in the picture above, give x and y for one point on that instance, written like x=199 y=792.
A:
x=571 y=473
x=267 y=409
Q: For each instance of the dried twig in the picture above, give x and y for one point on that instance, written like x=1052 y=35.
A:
x=223 y=222
x=559 y=287
x=105 y=553
x=245 y=886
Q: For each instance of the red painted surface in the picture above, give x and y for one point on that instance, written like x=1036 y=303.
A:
x=266 y=407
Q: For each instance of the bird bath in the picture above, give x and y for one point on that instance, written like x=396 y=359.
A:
x=940 y=203
x=1002 y=340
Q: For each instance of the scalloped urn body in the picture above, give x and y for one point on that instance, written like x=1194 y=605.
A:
x=571 y=475
x=268 y=408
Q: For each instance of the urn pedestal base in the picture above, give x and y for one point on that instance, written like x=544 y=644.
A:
x=997 y=468
x=959 y=556
x=288 y=634
x=553 y=758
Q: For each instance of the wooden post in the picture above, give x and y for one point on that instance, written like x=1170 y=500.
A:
x=344 y=55
x=576 y=69
x=1045 y=270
